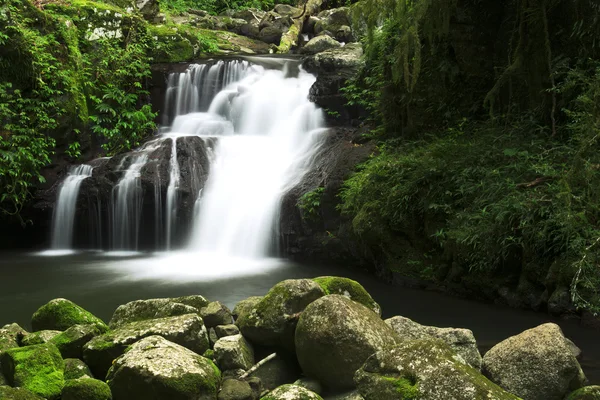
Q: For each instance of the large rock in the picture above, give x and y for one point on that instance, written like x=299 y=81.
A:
x=86 y=388
x=585 y=393
x=7 y=340
x=216 y=313
x=61 y=314
x=425 y=370
x=70 y=342
x=537 y=364
x=245 y=306
x=10 y=334
x=349 y=288
x=141 y=310
x=233 y=352
x=186 y=330
x=38 y=368
x=39 y=337
x=233 y=389
x=335 y=336
x=75 y=368
x=319 y=44
x=226 y=330
x=461 y=341
x=155 y=368
x=148 y=8
x=272 y=321
x=277 y=371
x=291 y=392
x=9 y=393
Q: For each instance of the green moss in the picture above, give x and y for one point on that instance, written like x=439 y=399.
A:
x=585 y=393
x=86 y=388
x=61 y=314
x=210 y=354
x=37 y=368
x=289 y=39
x=9 y=393
x=406 y=388
x=348 y=288
x=75 y=368
x=71 y=341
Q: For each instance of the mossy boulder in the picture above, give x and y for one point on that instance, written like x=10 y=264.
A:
x=61 y=314
x=272 y=321
x=233 y=352
x=233 y=389
x=142 y=310
x=186 y=330
x=11 y=336
x=226 y=330
x=86 y=388
x=75 y=368
x=216 y=313
x=585 y=393
x=537 y=364
x=70 y=342
x=319 y=44
x=39 y=337
x=461 y=341
x=155 y=368
x=335 y=336
x=18 y=393
x=424 y=369
x=291 y=392
x=349 y=288
x=276 y=371
x=245 y=306
x=38 y=368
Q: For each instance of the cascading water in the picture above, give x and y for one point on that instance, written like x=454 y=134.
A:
x=64 y=212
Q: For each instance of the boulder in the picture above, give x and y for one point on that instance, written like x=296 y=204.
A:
x=349 y=288
x=216 y=313
x=268 y=34
x=585 y=393
x=352 y=395
x=18 y=393
x=186 y=330
x=424 y=369
x=148 y=8
x=245 y=306
x=331 y=20
x=272 y=321
x=226 y=330
x=335 y=336
x=537 y=364
x=276 y=371
x=311 y=384
x=291 y=392
x=285 y=9
x=7 y=340
x=461 y=341
x=75 y=368
x=344 y=34
x=61 y=314
x=12 y=333
x=39 y=337
x=250 y=14
x=233 y=389
x=233 y=352
x=86 y=388
x=70 y=342
x=319 y=44
x=38 y=368
x=141 y=310
x=155 y=368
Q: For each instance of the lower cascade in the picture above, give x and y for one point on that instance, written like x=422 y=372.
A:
x=240 y=136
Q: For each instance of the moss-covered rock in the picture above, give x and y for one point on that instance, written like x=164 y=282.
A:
x=319 y=44
x=38 y=368
x=291 y=392
x=233 y=352
x=226 y=330
x=272 y=321
x=75 y=368
x=426 y=370
x=70 y=342
x=537 y=364
x=233 y=389
x=11 y=336
x=277 y=371
x=186 y=330
x=9 y=393
x=39 y=337
x=245 y=306
x=335 y=336
x=349 y=288
x=155 y=368
x=86 y=388
x=216 y=313
x=61 y=314
x=585 y=393
x=142 y=310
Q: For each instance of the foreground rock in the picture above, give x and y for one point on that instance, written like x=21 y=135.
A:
x=335 y=336
x=233 y=352
x=141 y=310
x=272 y=321
x=425 y=370
x=585 y=393
x=232 y=389
x=277 y=371
x=245 y=306
x=461 y=341
x=75 y=368
x=216 y=313
x=70 y=342
x=61 y=314
x=537 y=364
x=186 y=330
x=37 y=368
x=291 y=392
x=9 y=393
x=86 y=388
x=155 y=368
x=349 y=288
x=39 y=337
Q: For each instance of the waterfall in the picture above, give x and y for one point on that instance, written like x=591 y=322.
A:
x=172 y=192
x=64 y=212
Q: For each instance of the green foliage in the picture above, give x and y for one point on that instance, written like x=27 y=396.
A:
x=218 y=6
x=310 y=202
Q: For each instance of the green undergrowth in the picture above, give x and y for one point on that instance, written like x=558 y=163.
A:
x=218 y=6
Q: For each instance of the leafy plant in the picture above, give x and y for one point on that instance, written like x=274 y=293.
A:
x=310 y=202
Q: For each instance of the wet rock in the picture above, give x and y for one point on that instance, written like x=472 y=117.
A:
x=273 y=320
x=232 y=352
x=291 y=392
x=75 y=368
x=245 y=306
x=141 y=310
x=232 y=389
x=186 y=330
x=38 y=368
x=335 y=336
x=61 y=314
x=311 y=384
x=349 y=288
x=277 y=371
x=86 y=388
x=18 y=393
x=226 y=330
x=537 y=364
x=319 y=44
x=70 y=342
x=585 y=393
x=155 y=368
x=423 y=369
x=216 y=313
x=39 y=337
x=461 y=341
x=332 y=20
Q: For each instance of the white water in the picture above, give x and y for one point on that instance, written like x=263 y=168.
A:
x=64 y=211
x=172 y=192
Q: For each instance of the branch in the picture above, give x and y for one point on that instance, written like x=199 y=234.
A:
x=536 y=182
x=258 y=365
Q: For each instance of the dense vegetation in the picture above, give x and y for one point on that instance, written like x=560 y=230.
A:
x=218 y=6
x=488 y=119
